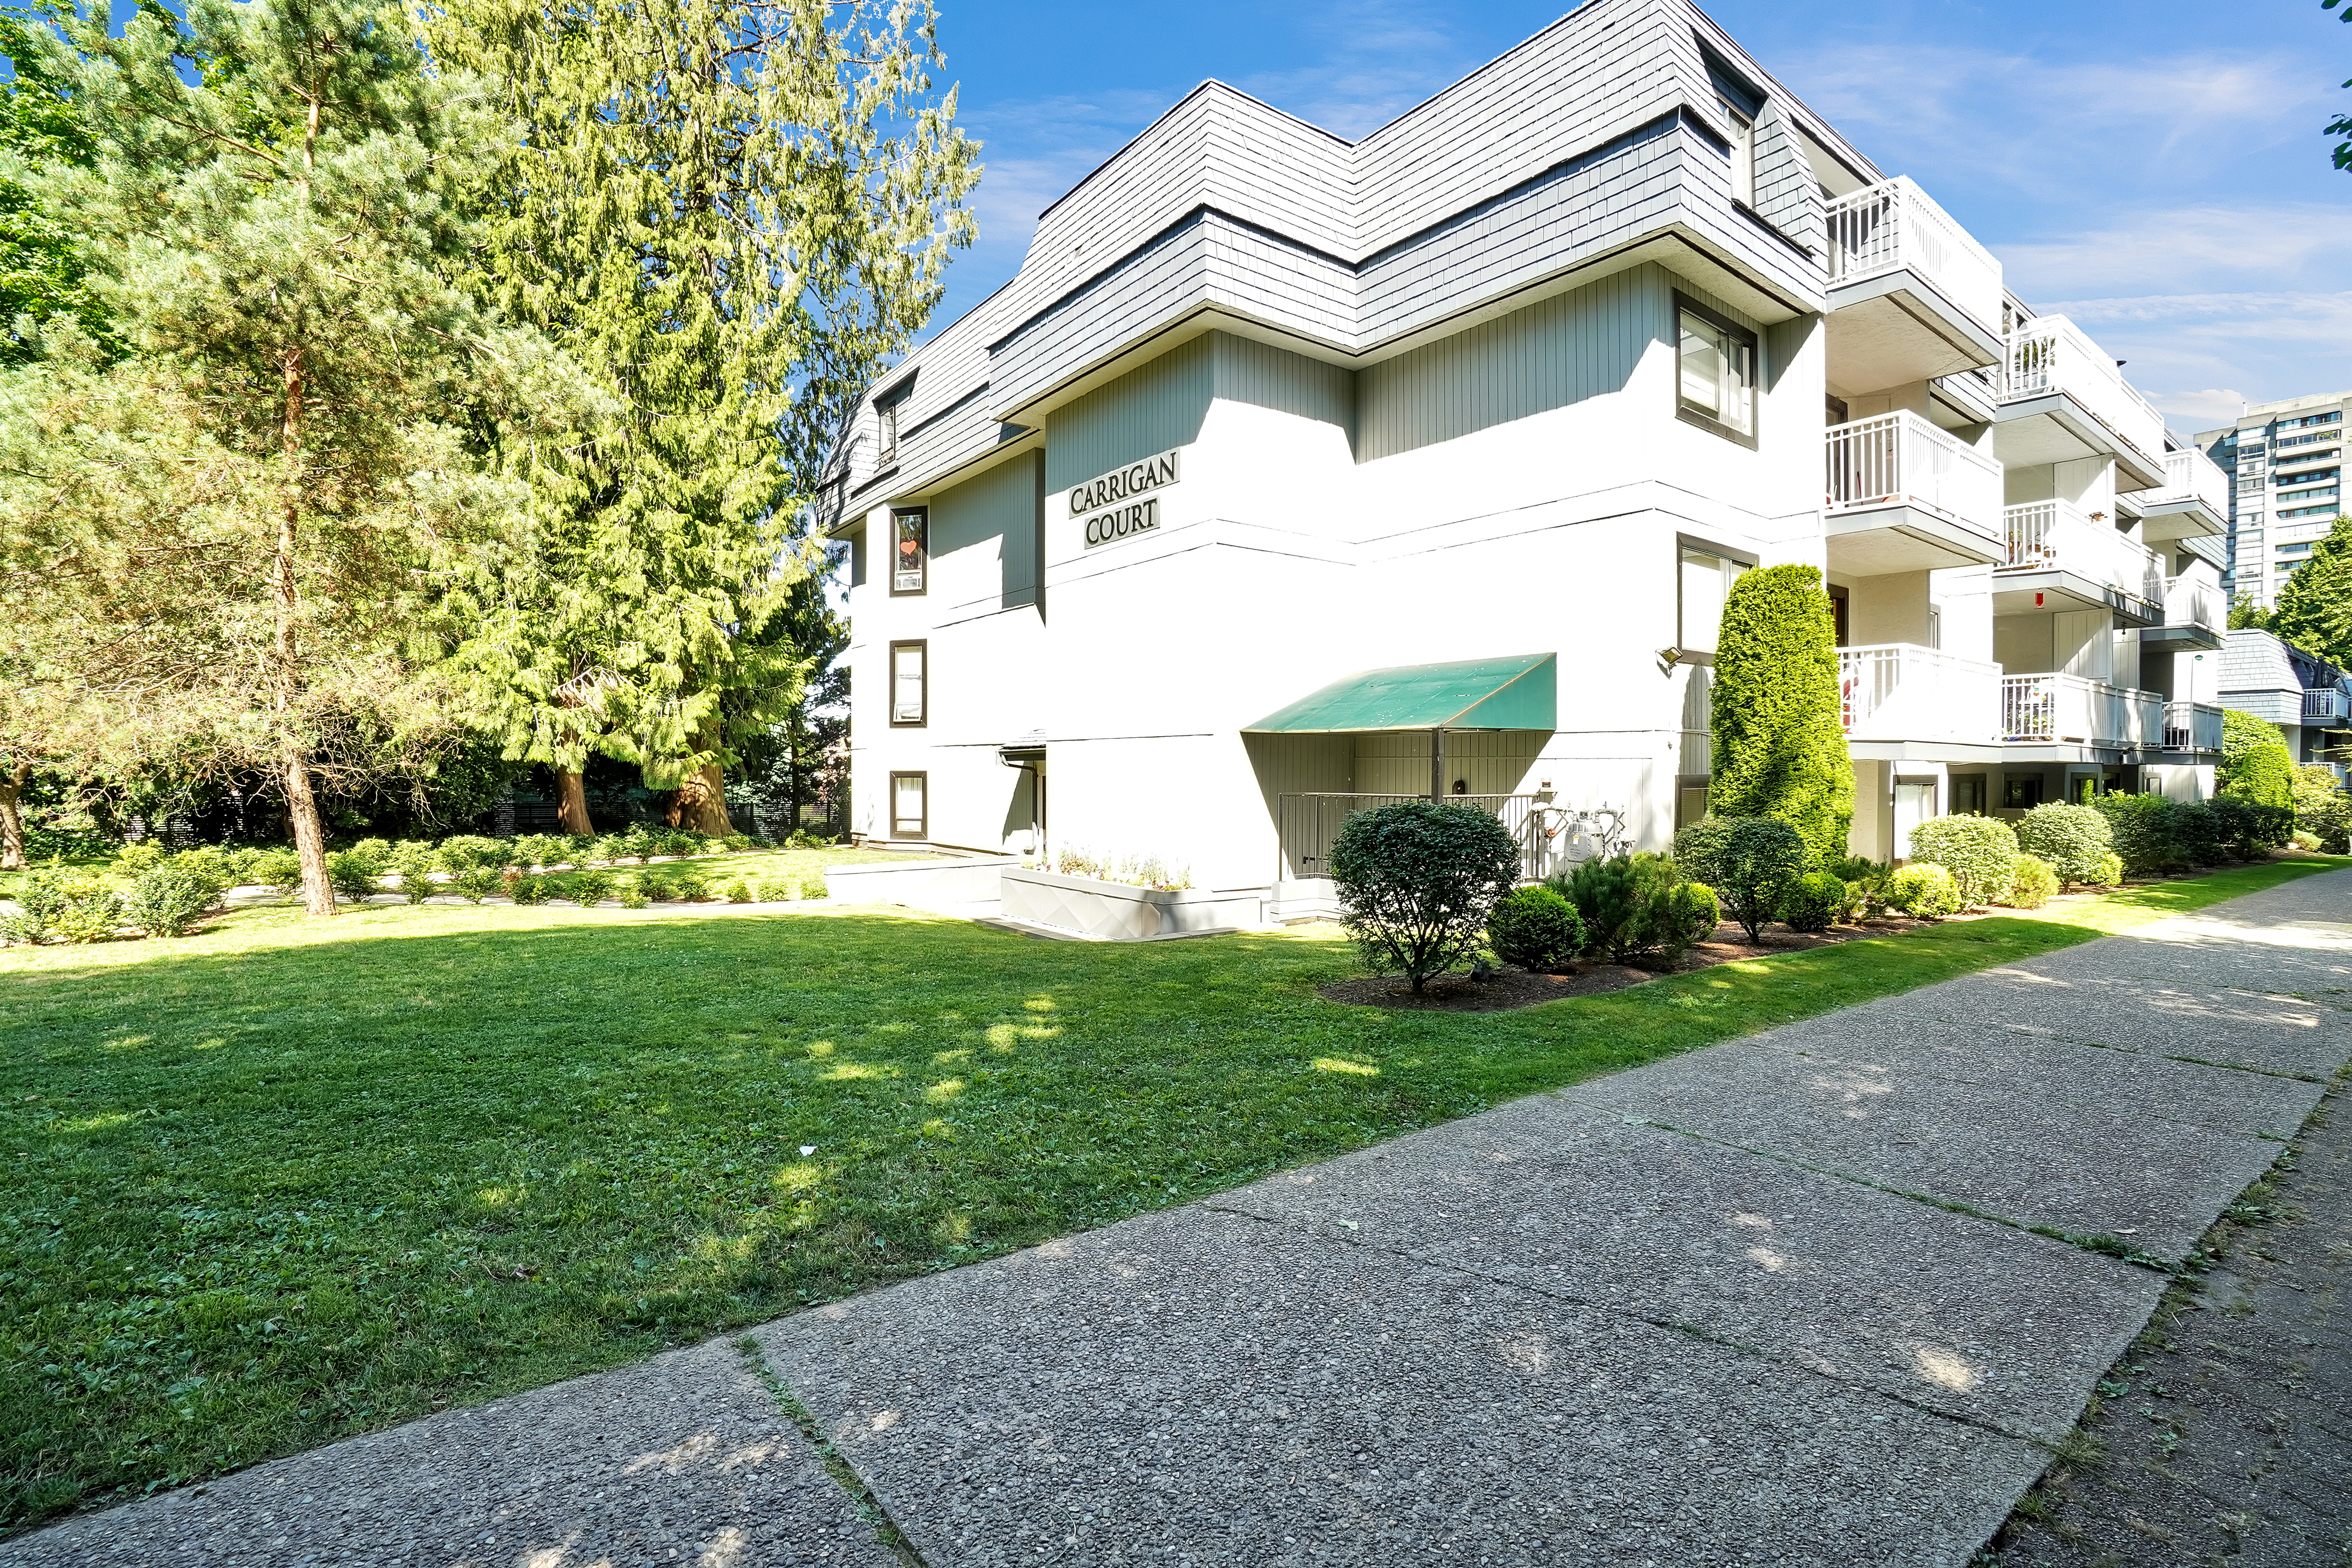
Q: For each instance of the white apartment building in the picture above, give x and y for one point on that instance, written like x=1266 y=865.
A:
x=1292 y=472
x=2284 y=461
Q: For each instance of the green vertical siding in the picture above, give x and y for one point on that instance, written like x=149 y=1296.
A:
x=999 y=506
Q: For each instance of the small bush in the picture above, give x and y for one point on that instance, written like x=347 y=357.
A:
x=1690 y=914
x=169 y=898
x=542 y=850
x=1628 y=907
x=813 y=886
x=2322 y=808
x=352 y=874
x=1981 y=852
x=738 y=892
x=1814 y=903
x=478 y=882
x=2305 y=840
x=589 y=889
x=2108 y=872
x=736 y=841
x=802 y=839
x=1748 y=861
x=279 y=869
x=635 y=843
x=145 y=855
x=1535 y=928
x=59 y=905
x=467 y=852
x=1865 y=885
x=678 y=841
x=655 y=886
x=415 y=860
x=1924 y=890
x=2035 y=881
x=525 y=890
x=1416 y=881
x=634 y=897
x=693 y=887
x=2071 y=839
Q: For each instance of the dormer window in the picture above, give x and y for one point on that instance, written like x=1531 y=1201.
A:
x=888 y=406
x=1743 y=151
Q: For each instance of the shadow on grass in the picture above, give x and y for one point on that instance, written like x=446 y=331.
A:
x=265 y=1195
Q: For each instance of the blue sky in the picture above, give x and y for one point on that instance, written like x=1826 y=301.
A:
x=2156 y=170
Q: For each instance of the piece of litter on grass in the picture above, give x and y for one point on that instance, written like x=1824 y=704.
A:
x=806 y=1150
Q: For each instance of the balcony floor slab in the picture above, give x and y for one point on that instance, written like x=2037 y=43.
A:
x=1904 y=536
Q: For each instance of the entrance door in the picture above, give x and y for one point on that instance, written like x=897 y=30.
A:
x=1915 y=803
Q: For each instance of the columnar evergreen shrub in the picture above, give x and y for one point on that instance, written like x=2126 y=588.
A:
x=1750 y=866
x=2033 y=882
x=1416 y=881
x=2255 y=764
x=1981 y=852
x=1924 y=890
x=1779 y=747
x=2074 y=839
x=1814 y=903
x=1533 y=928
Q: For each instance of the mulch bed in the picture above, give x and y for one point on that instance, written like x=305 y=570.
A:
x=1514 y=988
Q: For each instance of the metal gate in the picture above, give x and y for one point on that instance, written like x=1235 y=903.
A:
x=1550 y=837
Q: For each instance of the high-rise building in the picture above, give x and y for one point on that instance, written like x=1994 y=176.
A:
x=2284 y=460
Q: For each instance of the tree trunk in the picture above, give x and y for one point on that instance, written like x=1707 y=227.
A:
x=310 y=837
x=571 y=803
x=701 y=802
x=12 y=818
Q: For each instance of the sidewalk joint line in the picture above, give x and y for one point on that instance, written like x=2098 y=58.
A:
x=886 y=1533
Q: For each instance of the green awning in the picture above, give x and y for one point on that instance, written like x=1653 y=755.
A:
x=1521 y=693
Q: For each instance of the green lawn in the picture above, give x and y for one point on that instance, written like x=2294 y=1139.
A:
x=287 y=1181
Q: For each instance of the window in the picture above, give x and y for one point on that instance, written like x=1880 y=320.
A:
x=910 y=805
x=910 y=555
x=886 y=434
x=2327 y=511
x=909 y=685
x=1968 y=794
x=1743 y=151
x=2021 y=791
x=1935 y=626
x=1706 y=576
x=1715 y=374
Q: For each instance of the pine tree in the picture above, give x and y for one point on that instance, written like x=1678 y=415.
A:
x=238 y=517
x=1779 y=747
x=736 y=212
x=2314 y=608
x=43 y=266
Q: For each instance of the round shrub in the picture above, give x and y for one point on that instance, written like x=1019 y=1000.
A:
x=589 y=889
x=1690 y=915
x=1813 y=903
x=1923 y=890
x=466 y=852
x=2071 y=839
x=1416 y=881
x=633 y=897
x=478 y=882
x=1981 y=852
x=277 y=869
x=738 y=892
x=2256 y=767
x=1748 y=861
x=525 y=890
x=1535 y=928
x=352 y=874
x=2032 y=883
x=2108 y=872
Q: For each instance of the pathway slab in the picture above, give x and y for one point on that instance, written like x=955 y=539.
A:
x=2047 y=1066
x=684 y=1459
x=2081 y=1167
x=1982 y=1321
x=1203 y=1387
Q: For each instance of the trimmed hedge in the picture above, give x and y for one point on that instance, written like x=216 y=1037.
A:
x=2074 y=839
x=1416 y=881
x=1981 y=852
x=2256 y=766
x=1748 y=861
x=1779 y=749
x=2035 y=881
x=1814 y=903
x=1535 y=928
x=1924 y=890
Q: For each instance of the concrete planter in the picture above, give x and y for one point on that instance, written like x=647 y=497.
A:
x=1116 y=912
x=955 y=887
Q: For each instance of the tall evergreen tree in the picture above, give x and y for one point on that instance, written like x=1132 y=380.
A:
x=2314 y=608
x=736 y=211
x=239 y=517
x=1779 y=749
x=43 y=267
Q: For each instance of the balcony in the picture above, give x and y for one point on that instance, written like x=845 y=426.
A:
x=1911 y=295
x=2195 y=613
x=1897 y=694
x=2062 y=398
x=2325 y=705
x=2192 y=727
x=2054 y=558
x=2068 y=711
x=2193 y=502
x=1903 y=496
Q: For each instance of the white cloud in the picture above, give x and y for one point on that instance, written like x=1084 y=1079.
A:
x=2178 y=250
x=2198 y=356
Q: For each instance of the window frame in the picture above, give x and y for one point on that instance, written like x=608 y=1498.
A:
x=922 y=552
x=922 y=645
x=922 y=823
x=1684 y=653
x=1754 y=343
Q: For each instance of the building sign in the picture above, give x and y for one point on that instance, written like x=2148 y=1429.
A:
x=1121 y=486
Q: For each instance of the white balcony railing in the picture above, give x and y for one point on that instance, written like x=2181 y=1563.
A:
x=2054 y=536
x=1899 y=458
x=1894 y=225
x=2193 y=476
x=2323 y=702
x=1899 y=691
x=2051 y=709
x=2050 y=354
x=2195 y=599
x=2192 y=727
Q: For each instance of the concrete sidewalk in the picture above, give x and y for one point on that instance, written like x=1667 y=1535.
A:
x=1823 y=1295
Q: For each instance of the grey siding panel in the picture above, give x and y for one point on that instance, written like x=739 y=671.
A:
x=1786 y=196
x=1559 y=350
x=1260 y=373
x=1149 y=410
x=1489 y=763
x=1001 y=504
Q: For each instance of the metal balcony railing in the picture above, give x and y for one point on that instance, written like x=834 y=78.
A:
x=1895 y=224
x=2054 y=536
x=2050 y=354
x=1899 y=458
x=2050 y=710
x=2193 y=476
x=2192 y=727
x=1900 y=691
x=2321 y=702
x=2195 y=599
